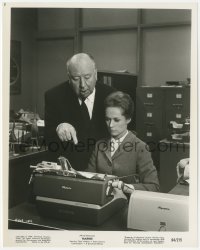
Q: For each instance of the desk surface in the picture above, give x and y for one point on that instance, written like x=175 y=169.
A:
x=29 y=153
x=25 y=216
x=174 y=143
x=180 y=189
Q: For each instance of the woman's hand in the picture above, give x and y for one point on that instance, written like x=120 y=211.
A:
x=119 y=194
x=120 y=185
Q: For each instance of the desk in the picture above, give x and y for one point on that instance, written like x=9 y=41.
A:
x=25 y=216
x=170 y=154
x=180 y=189
x=19 y=175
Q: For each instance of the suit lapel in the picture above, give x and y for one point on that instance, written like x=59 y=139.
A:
x=95 y=112
x=74 y=103
x=106 y=150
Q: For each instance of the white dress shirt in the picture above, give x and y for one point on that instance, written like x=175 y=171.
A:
x=89 y=101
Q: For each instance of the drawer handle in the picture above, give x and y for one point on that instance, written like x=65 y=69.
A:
x=148 y=103
x=177 y=105
x=149 y=123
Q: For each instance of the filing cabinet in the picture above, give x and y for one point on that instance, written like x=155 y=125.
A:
x=148 y=113
x=155 y=108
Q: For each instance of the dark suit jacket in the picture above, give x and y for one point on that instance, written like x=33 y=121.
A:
x=62 y=105
x=131 y=158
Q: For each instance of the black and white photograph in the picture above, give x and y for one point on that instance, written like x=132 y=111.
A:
x=100 y=125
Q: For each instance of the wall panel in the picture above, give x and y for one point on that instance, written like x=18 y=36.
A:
x=109 y=17
x=166 y=55
x=162 y=16
x=56 y=18
x=112 y=50
x=52 y=56
x=23 y=27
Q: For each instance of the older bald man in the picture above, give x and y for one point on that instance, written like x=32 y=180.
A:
x=74 y=112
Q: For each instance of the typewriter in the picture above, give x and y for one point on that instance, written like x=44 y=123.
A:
x=61 y=192
x=153 y=211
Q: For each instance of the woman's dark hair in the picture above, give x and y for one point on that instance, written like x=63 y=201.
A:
x=121 y=100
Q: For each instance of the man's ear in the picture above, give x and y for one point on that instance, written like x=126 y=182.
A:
x=128 y=120
x=96 y=74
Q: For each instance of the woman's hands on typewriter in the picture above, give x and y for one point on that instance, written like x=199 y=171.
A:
x=116 y=184
x=118 y=193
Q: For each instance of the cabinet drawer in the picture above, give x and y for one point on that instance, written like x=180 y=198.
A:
x=175 y=115
x=153 y=114
x=149 y=132
x=177 y=98
x=149 y=117
x=150 y=97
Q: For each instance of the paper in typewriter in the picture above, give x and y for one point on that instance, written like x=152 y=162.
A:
x=157 y=42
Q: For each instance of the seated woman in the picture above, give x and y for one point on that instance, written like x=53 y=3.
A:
x=123 y=154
